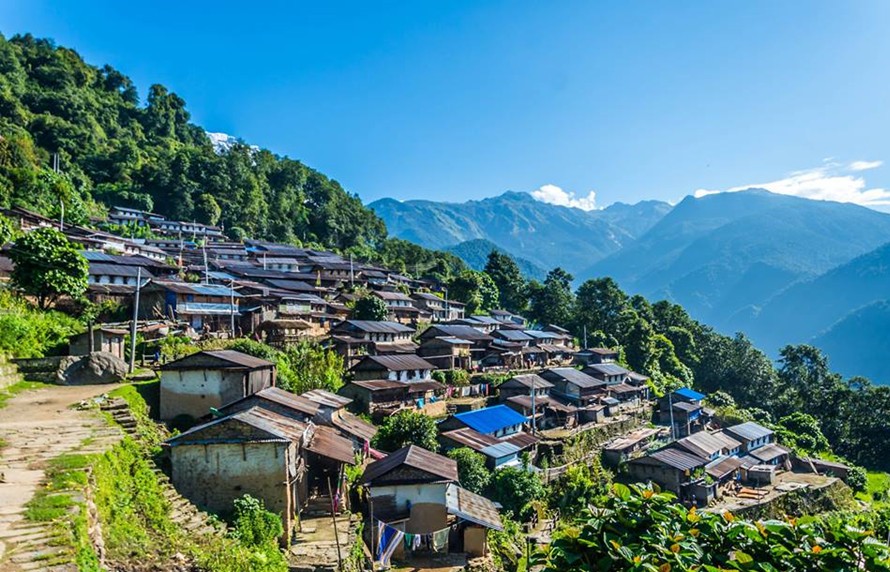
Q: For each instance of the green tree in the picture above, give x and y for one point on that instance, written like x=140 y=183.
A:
x=581 y=485
x=552 y=303
x=48 y=266
x=507 y=277
x=314 y=367
x=405 y=428
x=471 y=470
x=207 y=210
x=803 y=433
x=516 y=489
x=475 y=289
x=253 y=525
x=601 y=305
x=8 y=230
x=370 y=307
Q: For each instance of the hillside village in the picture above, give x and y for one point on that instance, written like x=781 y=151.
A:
x=518 y=394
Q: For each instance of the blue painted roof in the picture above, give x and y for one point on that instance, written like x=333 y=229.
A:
x=690 y=394
x=491 y=419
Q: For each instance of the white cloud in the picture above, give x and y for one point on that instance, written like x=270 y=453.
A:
x=551 y=194
x=865 y=165
x=830 y=182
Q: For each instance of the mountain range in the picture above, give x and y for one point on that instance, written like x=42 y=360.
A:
x=781 y=269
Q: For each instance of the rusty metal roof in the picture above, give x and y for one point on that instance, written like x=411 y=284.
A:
x=327 y=443
x=280 y=397
x=528 y=380
x=326 y=398
x=472 y=507
x=234 y=358
x=278 y=428
x=416 y=458
x=402 y=362
x=574 y=377
x=675 y=458
x=353 y=425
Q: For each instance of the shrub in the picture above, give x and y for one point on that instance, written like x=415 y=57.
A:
x=253 y=525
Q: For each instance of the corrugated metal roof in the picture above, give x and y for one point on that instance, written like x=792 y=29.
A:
x=371 y=326
x=458 y=331
x=353 y=425
x=607 y=369
x=687 y=393
x=379 y=384
x=513 y=335
x=278 y=427
x=722 y=466
x=768 y=452
x=527 y=380
x=287 y=399
x=414 y=457
x=326 y=398
x=491 y=419
x=522 y=439
x=472 y=507
x=574 y=376
x=328 y=443
x=705 y=444
x=233 y=357
x=749 y=431
x=678 y=459
x=103 y=269
x=404 y=362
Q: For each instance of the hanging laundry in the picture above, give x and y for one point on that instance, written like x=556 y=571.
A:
x=409 y=540
x=393 y=544
x=440 y=540
x=389 y=539
x=415 y=545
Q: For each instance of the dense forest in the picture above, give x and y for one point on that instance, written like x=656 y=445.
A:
x=113 y=150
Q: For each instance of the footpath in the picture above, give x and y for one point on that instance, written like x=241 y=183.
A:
x=37 y=426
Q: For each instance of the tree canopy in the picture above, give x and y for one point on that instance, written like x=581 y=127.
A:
x=47 y=266
x=405 y=428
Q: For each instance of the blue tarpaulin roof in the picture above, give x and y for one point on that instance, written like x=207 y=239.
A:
x=687 y=393
x=491 y=419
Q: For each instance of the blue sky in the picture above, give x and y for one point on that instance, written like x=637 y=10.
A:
x=457 y=100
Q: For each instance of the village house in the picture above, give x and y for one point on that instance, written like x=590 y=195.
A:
x=497 y=422
x=674 y=470
x=683 y=409
x=517 y=394
x=393 y=367
x=446 y=352
x=193 y=385
x=629 y=446
x=509 y=318
x=497 y=453
x=750 y=435
x=415 y=491
x=206 y=307
x=578 y=389
x=318 y=406
x=479 y=340
x=400 y=306
x=105 y=339
x=354 y=339
x=435 y=306
x=258 y=452
x=382 y=397
x=708 y=446
x=590 y=356
x=283 y=332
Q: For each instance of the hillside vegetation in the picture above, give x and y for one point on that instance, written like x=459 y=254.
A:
x=115 y=151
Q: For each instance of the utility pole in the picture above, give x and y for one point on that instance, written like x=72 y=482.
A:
x=232 y=306
x=671 y=409
x=351 y=272
x=57 y=169
x=585 y=336
x=206 y=270
x=534 y=413
x=135 y=318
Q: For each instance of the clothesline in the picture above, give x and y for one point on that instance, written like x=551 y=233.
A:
x=390 y=538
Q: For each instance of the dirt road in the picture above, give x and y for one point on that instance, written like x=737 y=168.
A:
x=36 y=426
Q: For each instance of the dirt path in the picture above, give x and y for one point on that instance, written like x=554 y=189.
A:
x=36 y=426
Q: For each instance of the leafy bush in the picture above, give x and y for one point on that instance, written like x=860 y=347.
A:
x=458 y=377
x=26 y=332
x=254 y=526
x=638 y=528
x=405 y=428
x=857 y=479
x=301 y=367
x=516 y=489
x=471 y=470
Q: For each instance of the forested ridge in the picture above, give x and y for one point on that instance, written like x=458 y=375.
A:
x=115 y=150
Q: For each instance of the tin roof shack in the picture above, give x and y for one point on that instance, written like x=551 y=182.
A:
x=416 y=491
x=384 y=397
x=432 y=304
x=628 y=446
x=578 y=389
x=253 y=452
x=591 y=356
x=751 y=435
x=393 y=367
x=110 y=340
x=192 y=385
x=355 y=338
x=671 y=469
x=446 y=352
x=400 y=306
x=484 y=428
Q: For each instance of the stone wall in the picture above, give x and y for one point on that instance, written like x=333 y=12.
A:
x=98 y=367
x=9 y=373
x=834 y=495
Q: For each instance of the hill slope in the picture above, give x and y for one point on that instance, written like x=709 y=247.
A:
x=858 y=344
x=724 y=255
x=547 y=235
x=475 y=254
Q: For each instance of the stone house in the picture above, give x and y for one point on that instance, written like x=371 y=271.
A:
x=193 y=385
